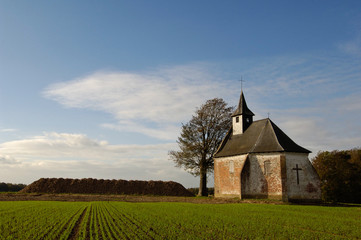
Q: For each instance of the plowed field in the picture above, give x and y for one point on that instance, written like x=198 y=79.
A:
x=122 y=220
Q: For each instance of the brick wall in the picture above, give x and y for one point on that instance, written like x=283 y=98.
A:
x=227 y=174
x=266 y=175
x=254 y=175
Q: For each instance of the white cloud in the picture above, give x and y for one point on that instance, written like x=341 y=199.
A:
x=8 y=160
x=153 y=103
x=79 y=146
x=77 y=156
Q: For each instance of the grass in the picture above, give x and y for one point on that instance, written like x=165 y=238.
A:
x=121 y=220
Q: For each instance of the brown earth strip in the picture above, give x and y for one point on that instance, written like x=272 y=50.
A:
x=87 y=237
x=69 y=223
x=75 y=231
x=124 y=198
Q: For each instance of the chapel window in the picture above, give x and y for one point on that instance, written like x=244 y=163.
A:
x=267 y=167
x=237 y=119
x=231 y=167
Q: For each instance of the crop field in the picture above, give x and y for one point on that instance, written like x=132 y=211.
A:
x=121 y=220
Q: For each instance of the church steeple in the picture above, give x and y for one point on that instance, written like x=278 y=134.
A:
x=242 y=118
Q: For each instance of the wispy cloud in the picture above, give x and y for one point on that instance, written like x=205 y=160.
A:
x=76 y=155
x=313 y=98
x=8 y=160
x=8 y=130
x=161 y=98
x=322 y=124
x=309 y=77
x=317 y=134
x=353 y=46
x=56 y=146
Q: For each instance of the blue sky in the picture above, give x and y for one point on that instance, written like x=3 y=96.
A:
x=100 y=88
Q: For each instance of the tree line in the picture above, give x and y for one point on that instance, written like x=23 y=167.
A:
x=9 y=187
x=340 y=174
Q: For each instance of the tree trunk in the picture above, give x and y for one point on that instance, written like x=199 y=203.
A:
x=203 y=191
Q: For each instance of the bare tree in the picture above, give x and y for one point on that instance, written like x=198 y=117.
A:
x=200 y=138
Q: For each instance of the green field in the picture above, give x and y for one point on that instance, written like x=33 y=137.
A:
x=121 y=220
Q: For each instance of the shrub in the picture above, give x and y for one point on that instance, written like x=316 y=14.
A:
x=340 y=173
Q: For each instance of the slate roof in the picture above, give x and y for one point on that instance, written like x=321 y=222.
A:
x=260 y=137
x=242 y=107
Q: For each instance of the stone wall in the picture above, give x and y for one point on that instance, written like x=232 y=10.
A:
x=307 y=187
x=265 y=177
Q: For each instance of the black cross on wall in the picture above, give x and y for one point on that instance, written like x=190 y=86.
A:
x=297 y=169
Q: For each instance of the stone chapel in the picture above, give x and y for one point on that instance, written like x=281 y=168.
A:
x=256 y=159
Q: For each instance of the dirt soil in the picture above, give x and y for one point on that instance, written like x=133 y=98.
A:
x=124 y=198
x=101 y=186
x=86 y=190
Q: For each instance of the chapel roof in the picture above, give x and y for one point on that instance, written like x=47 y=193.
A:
x=260 y=137
x=242 y=107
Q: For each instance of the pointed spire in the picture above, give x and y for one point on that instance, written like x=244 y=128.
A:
x=242 y=118
x=242 y=108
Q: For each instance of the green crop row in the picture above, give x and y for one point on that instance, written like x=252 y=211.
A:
x=119 y=220
x=38 y=220
x=237 y=221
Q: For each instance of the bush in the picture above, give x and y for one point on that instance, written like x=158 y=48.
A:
x=9 y=187
x=340 y=174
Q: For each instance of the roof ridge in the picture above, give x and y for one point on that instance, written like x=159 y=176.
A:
x=259 y=120
x=258 y=139
x=262 y=136
x=274 y=134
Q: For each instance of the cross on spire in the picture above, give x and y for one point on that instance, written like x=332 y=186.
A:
x=241 y=83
